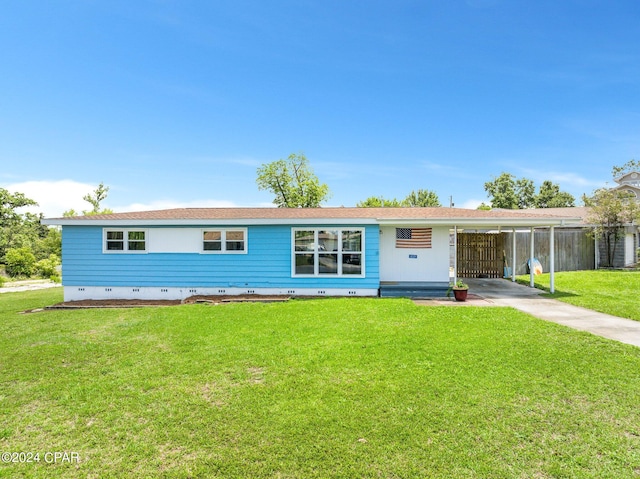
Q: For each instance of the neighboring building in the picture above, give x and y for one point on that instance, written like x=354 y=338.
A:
x=178 y=253
x=629 y=182
x=627 y=246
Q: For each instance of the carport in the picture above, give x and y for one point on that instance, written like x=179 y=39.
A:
x=514 y=221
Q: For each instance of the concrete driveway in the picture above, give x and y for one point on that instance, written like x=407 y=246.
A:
x=503 y=292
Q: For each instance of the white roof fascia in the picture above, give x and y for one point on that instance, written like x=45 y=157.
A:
x=214 y=222
x=486 y=222
x=464 y=222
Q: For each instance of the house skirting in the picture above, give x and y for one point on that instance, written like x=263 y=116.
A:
x=77 y=293
x=413 y=289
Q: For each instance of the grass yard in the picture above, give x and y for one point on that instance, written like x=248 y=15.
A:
x=322 y=388
x=608 y=291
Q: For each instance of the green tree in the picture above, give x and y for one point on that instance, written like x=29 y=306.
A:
x=423 y=198
x=48 y=267
x=293 y=183
x=10 y=202
x=502 y=192
x=17 y=229
x=483 y=206
x=99 y=195
x=419 y=198
x=550 y=196
x=94 y=199
x=628 y=167
x=20 y=262
x=48 y=245
x=511 y=193
x=526 y=193
x=610 y=211
x=379 y=202
x=24 y=231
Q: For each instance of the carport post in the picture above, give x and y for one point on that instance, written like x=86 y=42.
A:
x=513 y=256
x=455 y=254
x=531 y=280
x=552 y=258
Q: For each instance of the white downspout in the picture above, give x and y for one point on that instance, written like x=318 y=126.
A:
x=455 y=254
x=513 y=257
x=531 y=245
x=552 y=260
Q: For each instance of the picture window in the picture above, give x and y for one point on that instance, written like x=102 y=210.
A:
x=328 y=252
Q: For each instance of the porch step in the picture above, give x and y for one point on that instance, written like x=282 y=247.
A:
x=404 y=289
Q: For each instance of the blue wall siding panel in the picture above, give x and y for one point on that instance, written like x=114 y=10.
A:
x=266 y=265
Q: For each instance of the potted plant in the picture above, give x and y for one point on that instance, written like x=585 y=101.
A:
x=460 y=290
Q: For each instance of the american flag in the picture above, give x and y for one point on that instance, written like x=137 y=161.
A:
x=413 y=237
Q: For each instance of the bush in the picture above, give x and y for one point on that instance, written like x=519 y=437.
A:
x=20 y=262
x=48 y=268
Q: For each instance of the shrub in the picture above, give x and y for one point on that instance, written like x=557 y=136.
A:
x=48 y=268
x=20 y=262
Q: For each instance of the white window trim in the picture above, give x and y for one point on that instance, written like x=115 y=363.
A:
x=223 y=241
x=315 y=251
x=125 y=234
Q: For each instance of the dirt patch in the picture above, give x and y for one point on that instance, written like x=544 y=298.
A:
x=113 y=303
x=140 y=303
x=472 y=300
x=253 y=298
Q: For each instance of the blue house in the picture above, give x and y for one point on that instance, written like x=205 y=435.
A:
x=177 y=253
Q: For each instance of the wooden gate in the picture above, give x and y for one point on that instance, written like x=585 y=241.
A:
x=480 y=255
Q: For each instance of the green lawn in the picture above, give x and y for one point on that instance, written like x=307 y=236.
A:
x=609 y=291
x=322 y=388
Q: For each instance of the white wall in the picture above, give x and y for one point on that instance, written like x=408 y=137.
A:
x=174 y=240
x=629 y=249
x=407 y=264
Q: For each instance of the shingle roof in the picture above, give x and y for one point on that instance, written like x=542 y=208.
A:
x=573 y=212
x=441 y=214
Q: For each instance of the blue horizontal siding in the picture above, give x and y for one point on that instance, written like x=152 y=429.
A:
x=266 y=265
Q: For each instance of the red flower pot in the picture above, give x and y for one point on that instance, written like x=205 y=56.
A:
x=460 y=294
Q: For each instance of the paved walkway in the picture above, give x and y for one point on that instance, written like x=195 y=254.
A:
x=29 y=285
x=505 y=293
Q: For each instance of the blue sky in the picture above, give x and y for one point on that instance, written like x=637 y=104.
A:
x=177 y=103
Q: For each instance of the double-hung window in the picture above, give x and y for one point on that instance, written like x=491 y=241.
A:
x=328 y=251
x=224 y=240
x=125 y=240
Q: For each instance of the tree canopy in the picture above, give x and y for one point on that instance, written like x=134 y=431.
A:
x=610 y=211
x=628 y=167
x=9 y=203
x=379 y=202
x=422 y=198
x=511 y=193
x=24 y=230
x=550 y=196
x=293 y=183
x=94 y=199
